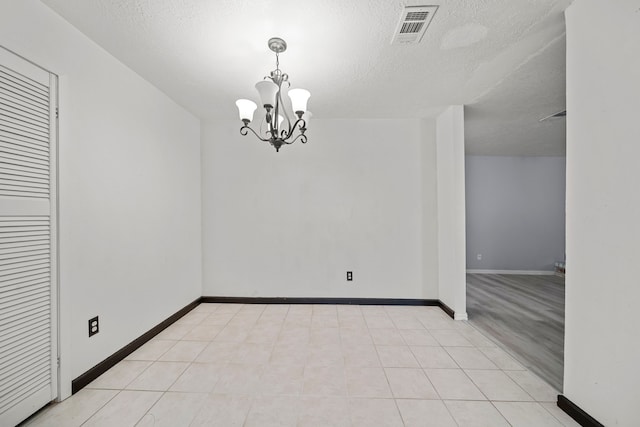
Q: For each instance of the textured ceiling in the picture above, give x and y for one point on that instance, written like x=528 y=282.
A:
x=504 y=59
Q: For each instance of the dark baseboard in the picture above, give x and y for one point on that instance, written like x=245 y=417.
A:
x=575 y=412
x=93 y=373
x=447 y=309
x=318 y=300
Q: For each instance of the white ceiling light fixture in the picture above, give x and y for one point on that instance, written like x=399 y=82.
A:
x=270 y=91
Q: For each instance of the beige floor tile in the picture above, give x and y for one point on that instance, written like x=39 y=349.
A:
x=475 y=414
x=406 y=322
x=537 y=388
x=124 y=410
x=324 y=321
x=297 y=321
x=410 y=384
x=263 y=333
x=372 y=310
x=526 y=414
x=230 y=308
x=289 y=354
x=324 y=381
x=501 y=358
x=424 y=413
x=355 y=336
x=253 y=353
x=198 y=378
x=321 y=365
x=192 y=318
x=281 y=380
x=477 y=339
x=374 y=412
x=352 y=321
x=159 y=376
x=559 y=414
x=152 y=350
x=233 y=333
x=280 y=309
x=239 y=379
x=218 y=352
x=323 y=412
x=433 y=323
x=217 y=318
x=324 y=336
x=73 y=411
x=293 y=335
x=496 y=385
x=120 y=375
x=222 y=411
x=348 y=310
x=325 y=355
x=173 y=410
x=379 y=322
x=324 y=309
x=174 y=332
x=386 y=337
x=273 y=411
x=470 y=358
x=433 y=357
x=206 y=307
x=364 y=356
x=203 y=332
x=396 y=356
x=454 y=384
x=420 y=337
x=367 y=382
x=184 y=351
x=450 y=338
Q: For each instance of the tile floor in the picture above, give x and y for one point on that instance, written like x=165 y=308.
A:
x=313 y=365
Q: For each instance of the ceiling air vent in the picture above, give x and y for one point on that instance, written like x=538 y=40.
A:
x=414 y=21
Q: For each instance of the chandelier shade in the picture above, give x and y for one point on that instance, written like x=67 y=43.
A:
x=282 y=126
x=299 y=98
x=246 y=108
x=267 y=91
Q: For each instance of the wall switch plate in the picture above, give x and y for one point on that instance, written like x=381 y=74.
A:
x=349 y=276
x=93 y=326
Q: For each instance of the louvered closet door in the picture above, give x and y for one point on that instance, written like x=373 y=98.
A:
x=28 y=368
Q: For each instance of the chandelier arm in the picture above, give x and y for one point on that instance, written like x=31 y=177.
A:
x=244 y=130
x=302 y=137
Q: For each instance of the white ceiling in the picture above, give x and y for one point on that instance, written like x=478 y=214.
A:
x=504 y=59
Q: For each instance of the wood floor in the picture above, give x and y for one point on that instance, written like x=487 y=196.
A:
x=525 y=313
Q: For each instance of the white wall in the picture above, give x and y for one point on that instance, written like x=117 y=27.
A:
x=429 y=180
x=129 y=190
x=292 y=223
x=602 y=349
x=450 y=201
x=515 y=212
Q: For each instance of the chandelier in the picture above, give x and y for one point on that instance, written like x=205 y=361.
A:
x=279 y=128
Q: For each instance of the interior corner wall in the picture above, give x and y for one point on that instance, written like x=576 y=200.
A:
x=291 y=224
x=515 y=212
x=451 y=209
x=602 y=349
x=129 y=191
x=429 y=182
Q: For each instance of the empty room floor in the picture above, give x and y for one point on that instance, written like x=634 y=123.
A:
x=525 y=314
x=313 y=365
